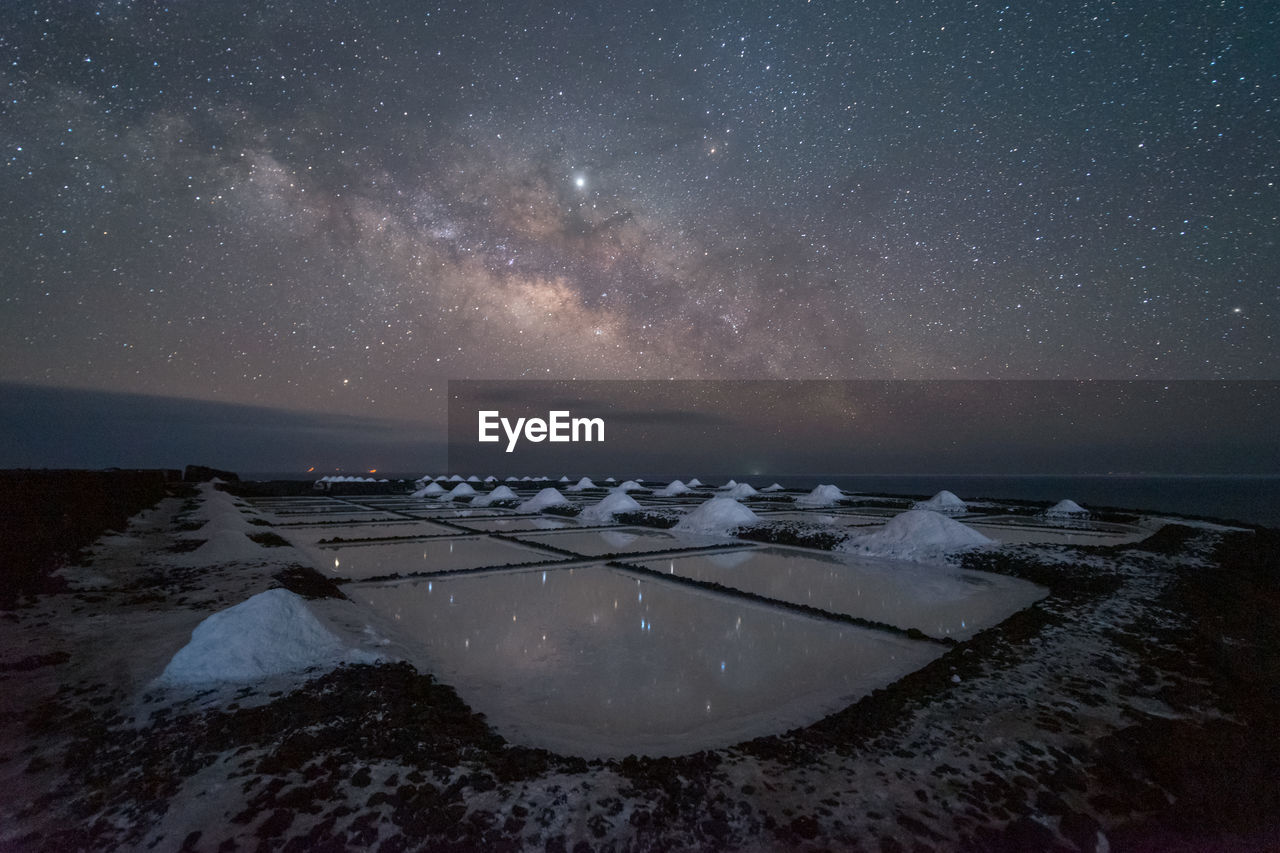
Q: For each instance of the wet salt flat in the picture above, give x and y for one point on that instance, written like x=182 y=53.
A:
x=590 y=660
x=596 y=662
x=292 y=501
x=877 y=511
x=831 y=519
x=938 y=600
x=408 y=527
x=1015 y=529
x=623 y=540
x=451 y=510
x=519 y=523
x=322 y=509
x=332 y=518
x=1009 y=528
x=425 y=555
x=379 y=500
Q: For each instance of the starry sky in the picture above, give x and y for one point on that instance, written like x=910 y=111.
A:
x=337 y=207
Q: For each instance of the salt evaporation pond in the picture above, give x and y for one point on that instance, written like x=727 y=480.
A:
x=519 y=523
x=450 y=510
x=831 y=519
x=621 y=540
x=374 y=530
x=939 y=600
x=1014 y=528
x=288 y=519
x=397 y=506
x=325 y=509
x=295 y=503
x=358 y=561
x=597 y=663
x=381 y=500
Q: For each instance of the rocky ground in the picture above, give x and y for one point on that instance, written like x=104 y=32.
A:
x=1135 y=708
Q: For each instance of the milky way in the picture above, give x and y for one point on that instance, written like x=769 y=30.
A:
x=340 y=206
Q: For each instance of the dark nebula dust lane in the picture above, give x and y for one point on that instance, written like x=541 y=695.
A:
x=340 y=206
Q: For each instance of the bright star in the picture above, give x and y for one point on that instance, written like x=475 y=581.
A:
x=579 y=181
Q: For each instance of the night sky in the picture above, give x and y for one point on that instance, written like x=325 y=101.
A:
x=336 y=207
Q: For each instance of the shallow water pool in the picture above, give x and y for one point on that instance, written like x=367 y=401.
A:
x=358 y=561
x=939 y=600
x=1012 y=528
x=830 y=519
x=595 y=662
x=312 y=534
x=621 y=540
x=519 y=523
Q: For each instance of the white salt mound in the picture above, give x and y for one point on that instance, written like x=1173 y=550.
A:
x=225 y=546
x=565 y=479
x=214 y=503
x=232 y=520
x=695 y=483
x=459 y=491
x=821 y=496
x=456 y=478
x=675 y=487
x=628 y=486
x=584 y=483
x=428 y=491
x=271 y=633
x=613 y=503
x=916 y=534
x=543 y=499
x=501 y=493
x=1066 y=509
x=473 y=479
x=772 y=488
x=728 y=485
x=716 y=516
x=741 y=490
x=944 y=502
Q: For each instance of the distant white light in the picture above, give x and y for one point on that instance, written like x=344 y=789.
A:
x=580 y=181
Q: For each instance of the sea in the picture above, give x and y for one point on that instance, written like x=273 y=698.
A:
x=1250 y=499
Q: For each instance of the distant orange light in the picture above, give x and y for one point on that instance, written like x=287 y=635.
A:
x=312 y=468
x=373 y=470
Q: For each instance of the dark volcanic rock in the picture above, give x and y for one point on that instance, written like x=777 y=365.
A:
x=203 y=474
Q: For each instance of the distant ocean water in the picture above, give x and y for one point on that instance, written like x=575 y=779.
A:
x=1250 y=499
